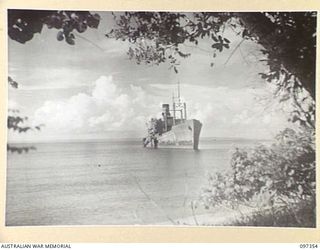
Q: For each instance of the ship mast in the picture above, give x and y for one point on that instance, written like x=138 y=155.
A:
x=174 y=109
x=179 y=92
x=179 y=101
x=178 y=106
x=184 y=108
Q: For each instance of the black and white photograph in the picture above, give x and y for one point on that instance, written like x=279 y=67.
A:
x=148 y=118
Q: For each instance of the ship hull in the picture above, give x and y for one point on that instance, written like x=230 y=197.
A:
x=185 y=134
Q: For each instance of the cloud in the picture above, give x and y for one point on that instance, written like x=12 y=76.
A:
x=109 y=107
x=229 y=112
x=106 y=107
x=242 y=118
x=49 y=78
x=12 y=104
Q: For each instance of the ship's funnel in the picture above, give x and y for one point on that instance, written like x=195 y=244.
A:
x=165 y=109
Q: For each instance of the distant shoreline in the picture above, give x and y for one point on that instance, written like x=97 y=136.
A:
x=202 y=139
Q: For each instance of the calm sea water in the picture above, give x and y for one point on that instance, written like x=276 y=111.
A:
x=109 y=182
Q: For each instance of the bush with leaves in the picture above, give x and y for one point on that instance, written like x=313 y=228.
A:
x=281 y=175
x=18 y=123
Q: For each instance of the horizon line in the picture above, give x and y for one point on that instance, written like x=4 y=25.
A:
x=132 y=139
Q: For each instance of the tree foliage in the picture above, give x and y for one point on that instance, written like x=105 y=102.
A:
x=288 y=38
x=156 y=37
x=278 y=176
x=16 y=122
x=23 y=24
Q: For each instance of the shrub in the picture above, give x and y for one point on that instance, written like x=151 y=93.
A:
x=278 y=176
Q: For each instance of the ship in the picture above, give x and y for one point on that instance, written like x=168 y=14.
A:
x=173 y=129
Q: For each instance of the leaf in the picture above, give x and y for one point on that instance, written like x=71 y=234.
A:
x=263 y=75
x=93 y=21
x=294 y=119
x=183 y=55
x=37 y=27
x=81 y=27
x=245 y=33
x=214 y=38
x=216 y=46
x=60 y=36
x=70 y=41
x=12 y=83
x=284 y=98
x=226 y=40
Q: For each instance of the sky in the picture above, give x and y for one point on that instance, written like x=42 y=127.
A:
x=91 y=90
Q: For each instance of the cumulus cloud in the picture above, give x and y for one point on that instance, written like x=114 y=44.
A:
x=106 y=107
x=109 y=106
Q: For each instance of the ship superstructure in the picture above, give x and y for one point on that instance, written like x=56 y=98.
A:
x=173 y=128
